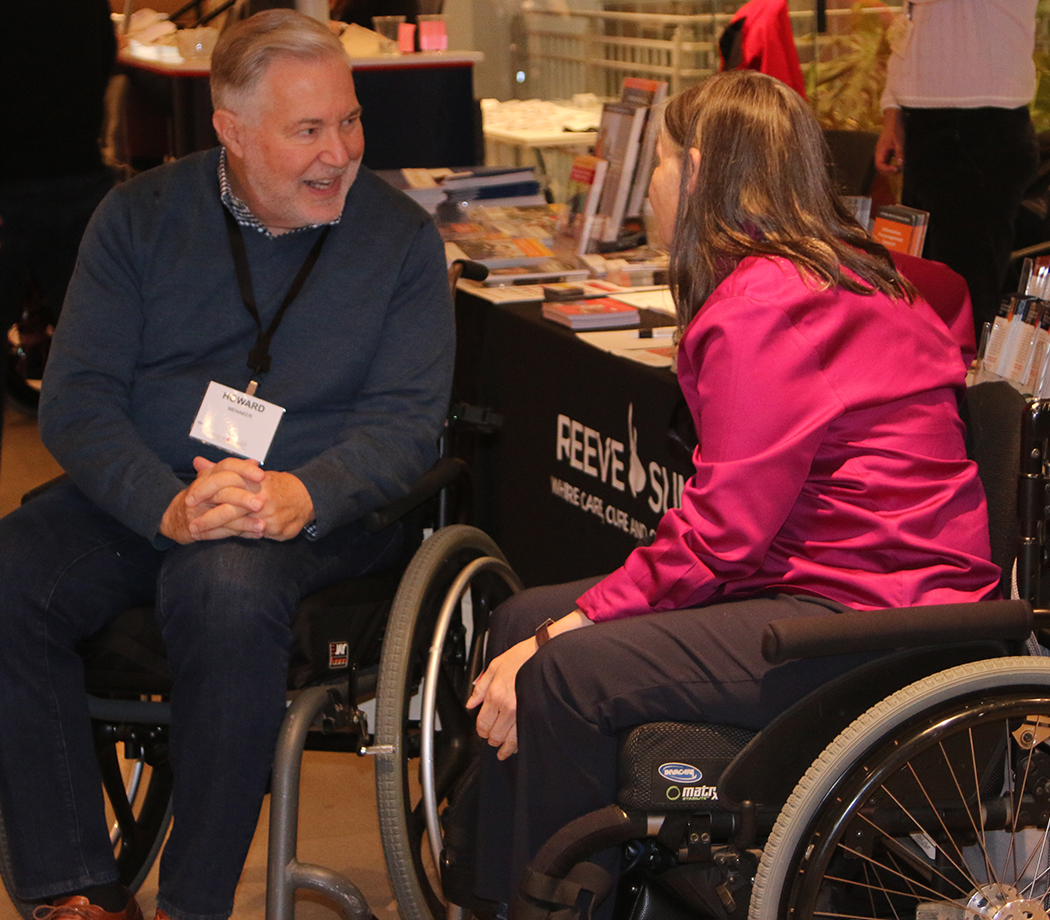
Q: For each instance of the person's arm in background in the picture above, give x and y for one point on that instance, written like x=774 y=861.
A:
x=889 y=149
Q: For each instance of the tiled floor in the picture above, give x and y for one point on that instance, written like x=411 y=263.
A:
x=338 y=825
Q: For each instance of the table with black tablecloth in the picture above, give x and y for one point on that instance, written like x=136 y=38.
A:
x=593 y=448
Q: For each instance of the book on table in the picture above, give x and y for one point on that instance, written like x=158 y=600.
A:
x=619 y=137
x=549 y=271
x=602 y=313
x=482 y=176
x=489 y=185
x=586 y=180
x=499 y=253
x=901 y=229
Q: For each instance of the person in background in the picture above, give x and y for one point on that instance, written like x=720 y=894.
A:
x=956 y=124
x=825 y=481
x=273 y=269
x=55 y=63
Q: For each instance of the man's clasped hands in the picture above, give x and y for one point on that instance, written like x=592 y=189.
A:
x=238 y=498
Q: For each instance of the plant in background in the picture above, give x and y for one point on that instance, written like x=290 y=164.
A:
x=1040 y=107
x=846 y=86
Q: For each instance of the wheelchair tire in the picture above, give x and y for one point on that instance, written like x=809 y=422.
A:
x=138 y=800
x=138 y=829
x=913 y=804
x=433 y=649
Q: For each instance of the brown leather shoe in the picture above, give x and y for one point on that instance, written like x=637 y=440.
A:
x=78 y=907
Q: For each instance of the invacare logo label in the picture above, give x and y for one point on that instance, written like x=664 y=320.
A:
x=680 y=773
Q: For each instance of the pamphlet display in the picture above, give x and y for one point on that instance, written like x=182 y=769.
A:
x=586 y=181
x=1016 y=346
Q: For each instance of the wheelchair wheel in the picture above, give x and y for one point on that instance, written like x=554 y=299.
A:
x=137 y=788
x=138 y=803
x=933 y=804
x=432 y=652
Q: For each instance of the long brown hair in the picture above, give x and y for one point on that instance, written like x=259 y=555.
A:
x=761 y=188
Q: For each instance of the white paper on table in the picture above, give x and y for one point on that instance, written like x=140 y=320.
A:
x=627 y=344
x=658 y=299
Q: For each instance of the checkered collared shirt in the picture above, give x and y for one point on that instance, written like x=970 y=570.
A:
x=241 y=212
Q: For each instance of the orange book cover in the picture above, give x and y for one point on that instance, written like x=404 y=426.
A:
x=900 y=229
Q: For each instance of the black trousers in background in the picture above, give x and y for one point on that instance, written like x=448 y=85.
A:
x=582 y=688
x=970 y=169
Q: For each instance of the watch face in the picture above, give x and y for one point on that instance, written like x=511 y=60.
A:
x=542 y=634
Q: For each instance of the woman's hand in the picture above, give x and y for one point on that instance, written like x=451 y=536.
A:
x=497 y=720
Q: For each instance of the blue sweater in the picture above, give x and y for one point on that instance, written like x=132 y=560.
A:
x=362 y=361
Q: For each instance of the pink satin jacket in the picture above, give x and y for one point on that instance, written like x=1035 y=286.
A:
x=830 y=461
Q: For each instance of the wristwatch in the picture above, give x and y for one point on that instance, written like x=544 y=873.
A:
x=542 y=633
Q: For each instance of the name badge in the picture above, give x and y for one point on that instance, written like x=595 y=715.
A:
x=236 y=422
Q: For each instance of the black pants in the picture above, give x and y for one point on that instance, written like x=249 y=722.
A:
x=970 y=168
x=582 y=688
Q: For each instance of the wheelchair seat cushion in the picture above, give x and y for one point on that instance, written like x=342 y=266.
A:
x=675 y=765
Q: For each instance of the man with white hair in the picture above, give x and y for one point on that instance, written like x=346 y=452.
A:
x=271 y=278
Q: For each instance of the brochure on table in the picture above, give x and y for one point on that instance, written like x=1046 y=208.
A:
x=652 y=347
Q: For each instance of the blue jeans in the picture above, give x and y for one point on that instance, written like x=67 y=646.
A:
x=225 y=609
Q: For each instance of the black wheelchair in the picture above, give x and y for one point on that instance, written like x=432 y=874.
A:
x=915 y=786
x=343 y=636
x=342 y=639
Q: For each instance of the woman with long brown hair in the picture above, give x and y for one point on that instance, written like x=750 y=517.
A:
x=831 y=476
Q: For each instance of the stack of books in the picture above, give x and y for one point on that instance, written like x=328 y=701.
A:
x=901 y=229
x=602 y=313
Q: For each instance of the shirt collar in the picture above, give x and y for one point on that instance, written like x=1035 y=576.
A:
x=242 y=213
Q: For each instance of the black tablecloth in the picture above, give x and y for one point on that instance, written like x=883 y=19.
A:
x=593 y=448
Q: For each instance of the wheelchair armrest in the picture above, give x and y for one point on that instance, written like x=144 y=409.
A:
x=904 y=627
x=443 y=473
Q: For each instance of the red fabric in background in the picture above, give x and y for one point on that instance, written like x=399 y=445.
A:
x=767 y=42
x=945 y=291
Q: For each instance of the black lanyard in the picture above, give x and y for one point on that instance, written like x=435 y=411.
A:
x=259 y=356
